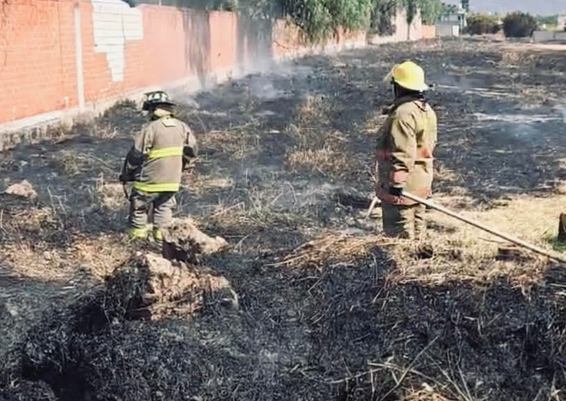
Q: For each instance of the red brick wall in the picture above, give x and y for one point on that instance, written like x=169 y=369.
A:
x=38 y=59
x=223 y=40
x=429 y=31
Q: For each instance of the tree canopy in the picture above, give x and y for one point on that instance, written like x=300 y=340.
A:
x=319 y=19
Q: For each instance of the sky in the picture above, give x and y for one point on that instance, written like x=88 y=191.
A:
x=543 y=7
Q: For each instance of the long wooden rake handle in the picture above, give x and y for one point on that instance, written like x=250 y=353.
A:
x=552 y=255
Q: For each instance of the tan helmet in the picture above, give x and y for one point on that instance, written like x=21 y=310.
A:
x=409 y=75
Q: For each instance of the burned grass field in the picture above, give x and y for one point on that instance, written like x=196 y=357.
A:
x=310 y=302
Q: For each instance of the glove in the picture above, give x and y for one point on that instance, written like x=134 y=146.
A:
x=396 y=191
x=125 y=178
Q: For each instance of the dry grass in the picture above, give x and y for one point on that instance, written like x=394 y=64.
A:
x=320 y=148
x=334 y=250
x=238 y=143
x=443 y=173
x=70 y=164
x=312 y=108
x=246 y=146
x=100 y=255
x=41 y=240
x=464 y=253
x=35 y=260
x=58 y=132
x=201 y=184
x=110 y=195
x=238 y=218
x=103 y=131
x=325 y=161
x=43 y=261
x=375 y=123
x=426 y=394
x=30 y=219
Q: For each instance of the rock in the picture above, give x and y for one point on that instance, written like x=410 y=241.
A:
x=184 y=242
x=24 y=189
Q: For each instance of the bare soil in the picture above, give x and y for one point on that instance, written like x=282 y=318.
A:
x=320 y=306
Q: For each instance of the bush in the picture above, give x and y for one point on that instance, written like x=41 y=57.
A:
x=481 y=24
x=519 y=25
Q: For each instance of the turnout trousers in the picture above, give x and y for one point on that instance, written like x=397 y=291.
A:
x=402 y=221
x=161 y=205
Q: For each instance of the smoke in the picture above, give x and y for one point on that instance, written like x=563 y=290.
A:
x=522 y=119
x=457 y=82
x=522 y=125
x=562 y=110
x=278 y=83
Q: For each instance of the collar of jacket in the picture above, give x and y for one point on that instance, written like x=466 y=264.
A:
x=407 y=99
x=160 y=113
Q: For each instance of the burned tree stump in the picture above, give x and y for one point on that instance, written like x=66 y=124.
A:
x=562 y=228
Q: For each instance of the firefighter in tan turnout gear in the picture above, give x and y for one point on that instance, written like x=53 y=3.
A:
x=154 y=164
x=405 y=153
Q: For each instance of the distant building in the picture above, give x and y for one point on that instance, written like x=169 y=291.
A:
x=452 y=24
x=562 y=22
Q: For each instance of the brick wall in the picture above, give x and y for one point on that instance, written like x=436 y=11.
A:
x=37 y=58
x=428 y=32
x=62 y=57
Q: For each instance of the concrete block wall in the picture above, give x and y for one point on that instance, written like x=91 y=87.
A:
x=546 y=36
x=447 y=30
x=63 y=58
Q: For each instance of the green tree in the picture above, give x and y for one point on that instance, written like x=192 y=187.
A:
x=382 y=16
x=519 y=25
x=482 y=24
x=548 y=20
x=320 y=19
x=449 y=9
x=431 y=11
x=411 y=8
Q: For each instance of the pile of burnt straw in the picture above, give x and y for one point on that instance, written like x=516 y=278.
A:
x=162 y=330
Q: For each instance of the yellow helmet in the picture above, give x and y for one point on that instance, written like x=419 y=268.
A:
x=409 y=75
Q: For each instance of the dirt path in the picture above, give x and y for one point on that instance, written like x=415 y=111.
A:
x=320 y=293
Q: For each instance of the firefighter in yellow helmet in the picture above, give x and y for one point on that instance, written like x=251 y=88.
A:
x=154 y=164
x=405 y=153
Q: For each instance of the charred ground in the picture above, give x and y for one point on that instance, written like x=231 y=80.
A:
x=327 y=309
